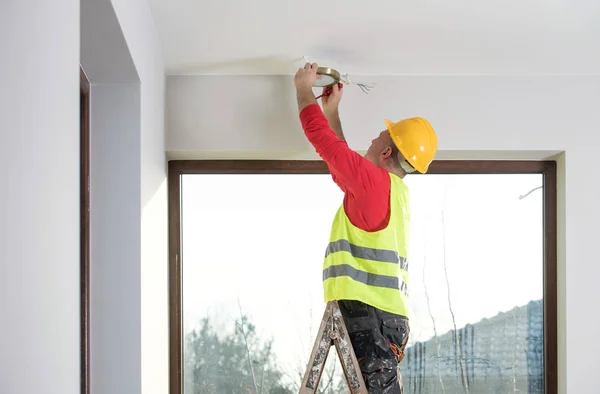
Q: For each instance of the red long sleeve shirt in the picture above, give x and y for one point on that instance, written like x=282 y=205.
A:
x=366 y=186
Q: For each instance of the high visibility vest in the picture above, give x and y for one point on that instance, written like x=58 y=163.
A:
x=371 y=267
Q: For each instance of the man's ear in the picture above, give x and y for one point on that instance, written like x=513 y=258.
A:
x=387 y=152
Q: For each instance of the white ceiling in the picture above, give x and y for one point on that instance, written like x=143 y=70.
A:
x=383 y=37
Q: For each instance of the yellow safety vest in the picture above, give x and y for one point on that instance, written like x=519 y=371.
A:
x=371 y=267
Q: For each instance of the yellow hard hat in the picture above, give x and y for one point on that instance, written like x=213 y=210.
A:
x=416 y=140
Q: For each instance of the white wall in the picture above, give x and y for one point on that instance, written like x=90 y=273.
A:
x=39 y=224
x=475 y=117
x=259 y=113
x=129 y=327
x=39 y=197
x=138 y=28
x=115 y=217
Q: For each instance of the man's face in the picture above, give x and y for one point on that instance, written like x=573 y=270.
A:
x=378 y=147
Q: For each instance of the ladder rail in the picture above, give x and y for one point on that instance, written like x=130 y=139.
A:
x=318 y=357
x=333 y=332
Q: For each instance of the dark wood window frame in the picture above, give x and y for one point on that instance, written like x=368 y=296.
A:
x=84 y=240
x=177 y=168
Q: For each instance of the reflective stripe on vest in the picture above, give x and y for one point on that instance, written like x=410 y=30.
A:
x=367 y=278
x=371 y=266
x=385 y=256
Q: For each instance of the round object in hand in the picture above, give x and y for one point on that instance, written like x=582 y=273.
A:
x=329 y=77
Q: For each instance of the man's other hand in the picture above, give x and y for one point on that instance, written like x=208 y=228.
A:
x=331 y=101
x=305 y=77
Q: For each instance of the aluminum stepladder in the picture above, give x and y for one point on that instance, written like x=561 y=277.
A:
x=332 y=332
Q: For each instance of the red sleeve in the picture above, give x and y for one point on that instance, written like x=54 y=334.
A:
x=352 y=170
x=366 y=185
x=336 y=179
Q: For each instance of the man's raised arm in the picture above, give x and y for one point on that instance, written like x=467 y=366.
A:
x=350 y=168
x=331 y=102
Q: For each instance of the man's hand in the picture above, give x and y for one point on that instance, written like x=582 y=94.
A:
x=305 y=77
x=304 y=80
x=331 y=102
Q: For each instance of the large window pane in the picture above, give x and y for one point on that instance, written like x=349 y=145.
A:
x=476 y=285
x=252 y=250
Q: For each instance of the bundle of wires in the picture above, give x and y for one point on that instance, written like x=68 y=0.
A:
x=365 y=86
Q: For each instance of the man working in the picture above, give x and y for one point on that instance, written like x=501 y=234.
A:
x=365 y=267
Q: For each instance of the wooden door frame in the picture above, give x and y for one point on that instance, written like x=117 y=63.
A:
x=548 y=169
x=84 y=241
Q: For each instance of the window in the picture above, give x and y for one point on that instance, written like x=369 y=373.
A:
x=247 y=244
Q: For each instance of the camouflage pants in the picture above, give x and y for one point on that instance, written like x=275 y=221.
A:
x=378 y=339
